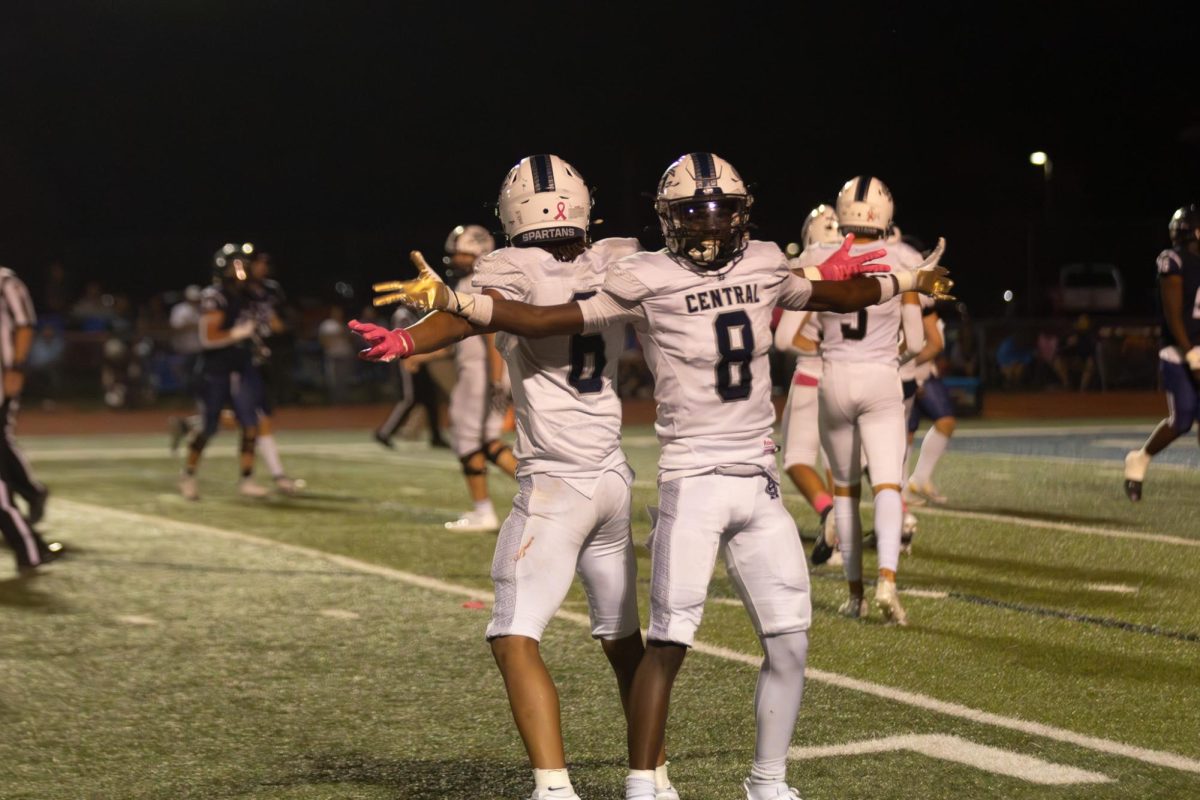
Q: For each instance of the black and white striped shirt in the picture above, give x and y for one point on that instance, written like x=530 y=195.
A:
x=16 y=311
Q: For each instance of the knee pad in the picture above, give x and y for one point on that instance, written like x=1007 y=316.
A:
x=467 y=469
x=496 y=450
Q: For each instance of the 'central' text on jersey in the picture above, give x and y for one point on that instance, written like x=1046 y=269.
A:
x=719 y=298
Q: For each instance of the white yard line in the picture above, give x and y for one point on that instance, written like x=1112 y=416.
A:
x=1156 y=757
x=350 y=453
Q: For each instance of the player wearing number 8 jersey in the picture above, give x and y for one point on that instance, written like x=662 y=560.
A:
x=704 y=307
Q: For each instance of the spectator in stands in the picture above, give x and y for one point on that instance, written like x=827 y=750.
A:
x=1013 y=358
x=1048 y=364
x=45 y=360
x=962 y=349
x=1079 y=351
x=95 y=311
x=337 y=346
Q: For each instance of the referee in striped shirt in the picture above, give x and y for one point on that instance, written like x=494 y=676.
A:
x=16 y=335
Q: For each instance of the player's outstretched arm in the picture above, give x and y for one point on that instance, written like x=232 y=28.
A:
x=851 y=295
x=427 y=336
x=489 y=310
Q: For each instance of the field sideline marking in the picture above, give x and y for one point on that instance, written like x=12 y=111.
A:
x=961 y=751
x=332 y=454
x=1155 y=757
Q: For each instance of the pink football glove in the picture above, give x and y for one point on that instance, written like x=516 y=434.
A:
x=841 y=265
x=386 y=345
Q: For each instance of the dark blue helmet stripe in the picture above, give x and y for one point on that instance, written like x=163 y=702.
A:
x=543 y=174
x=860 y=192
x=705 y=166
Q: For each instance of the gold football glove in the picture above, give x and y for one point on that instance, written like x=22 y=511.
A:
x=931 y=277
x=427 y=292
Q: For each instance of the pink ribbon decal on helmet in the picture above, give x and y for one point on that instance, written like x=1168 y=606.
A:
x=562 y=211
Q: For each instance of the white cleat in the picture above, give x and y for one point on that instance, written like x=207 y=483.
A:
x=288 y=486
x=188 y=487
x=248 y=488
x=475 y=522
x=775 y=790
x=639 y=789
x=1136 y=464
x=921 y=493
x=888 y=600
x=668 y=793
x=565 y=793
x=855 y=607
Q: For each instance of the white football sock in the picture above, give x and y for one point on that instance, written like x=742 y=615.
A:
x=777 y=704
x=484 y=507
x=932 y=447
x=269 y=450
x=546 y=779
x=640 y=784
x=889 y=519
x=849 y=529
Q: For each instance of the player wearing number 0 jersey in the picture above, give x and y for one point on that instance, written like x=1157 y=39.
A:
x=572 y=513
x=703 y=306
x=861 y=403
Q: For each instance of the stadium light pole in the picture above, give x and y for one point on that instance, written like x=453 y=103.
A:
x=1038 y=158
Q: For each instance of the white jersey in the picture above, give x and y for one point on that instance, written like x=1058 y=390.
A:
x=564 y=387
x=911 y=370
x=470 y=354
x=870 y=334
x=808 y=363
x=706 y=335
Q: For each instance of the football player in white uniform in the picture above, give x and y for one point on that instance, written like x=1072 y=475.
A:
x=704 y=306
x=572 y=512
x=798 y=333
x=479 y=397
x=862 y=408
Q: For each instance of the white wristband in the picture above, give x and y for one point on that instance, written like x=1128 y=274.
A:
x=906 y=280
x=889 y=286
x=812 y=273
x=477 y=308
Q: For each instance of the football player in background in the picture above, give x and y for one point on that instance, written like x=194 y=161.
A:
x=798 y=333
x=861 y=403
x=266 y=301
x=479 y=396
x=704 y=306
x=572 y=512
x=416 y=388
x=227 y=328
x=1179 y=358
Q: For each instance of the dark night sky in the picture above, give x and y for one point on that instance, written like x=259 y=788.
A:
x=138 y=136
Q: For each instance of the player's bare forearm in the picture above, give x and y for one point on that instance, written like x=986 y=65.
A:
x=1171 y=289
x=532 y=321
x=22 y=342
x=439 y=330
x=843 y=296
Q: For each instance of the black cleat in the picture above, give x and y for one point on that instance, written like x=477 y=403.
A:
x=37 y=506
x=1133 y=490
x=384 y=440
x=822 y=551
x=439 y=442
